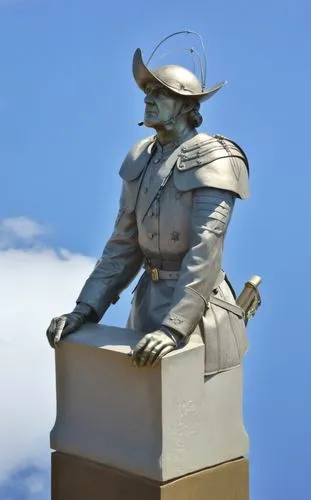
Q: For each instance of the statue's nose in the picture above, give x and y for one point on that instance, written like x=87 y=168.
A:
x=148 y=99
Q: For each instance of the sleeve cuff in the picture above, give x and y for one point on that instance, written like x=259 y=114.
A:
x=173 y=334
x=96 y=297
x=87 y=311
x=185 y=315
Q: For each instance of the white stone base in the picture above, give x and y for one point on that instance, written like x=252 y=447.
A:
x=160 y=422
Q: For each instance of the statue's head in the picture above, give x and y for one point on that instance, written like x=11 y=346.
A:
x=172 y=93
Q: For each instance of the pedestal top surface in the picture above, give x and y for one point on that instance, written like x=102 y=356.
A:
x=111 y=338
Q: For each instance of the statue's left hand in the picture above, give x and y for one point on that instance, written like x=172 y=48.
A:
x=152 y=347
x=69 y=323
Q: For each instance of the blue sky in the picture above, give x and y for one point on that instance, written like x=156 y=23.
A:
x=68 y=114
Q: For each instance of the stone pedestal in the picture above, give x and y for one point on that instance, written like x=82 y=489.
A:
x=149 y=426
x=79 y=479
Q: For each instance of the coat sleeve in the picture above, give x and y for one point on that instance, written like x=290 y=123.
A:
x=211 y=212
x=120 y=262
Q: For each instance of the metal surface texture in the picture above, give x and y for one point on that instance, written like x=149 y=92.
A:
x=177 y=79
x=179 y=191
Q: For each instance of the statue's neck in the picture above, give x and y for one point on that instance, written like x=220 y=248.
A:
x=174 y=134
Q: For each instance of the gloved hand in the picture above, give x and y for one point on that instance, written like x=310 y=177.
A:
x=68 y=323
x=153 y=346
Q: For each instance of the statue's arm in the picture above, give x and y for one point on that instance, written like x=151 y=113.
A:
x=120 y=262
x=201 y=265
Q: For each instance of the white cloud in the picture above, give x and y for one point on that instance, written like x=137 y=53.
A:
x=29 y=484
x=22 y=227
x=34 y=484
x=36 y=284
x=19 y=230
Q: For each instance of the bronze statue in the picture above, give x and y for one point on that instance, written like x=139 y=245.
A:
x=179 y=190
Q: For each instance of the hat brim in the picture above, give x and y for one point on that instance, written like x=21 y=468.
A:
x=143 y=76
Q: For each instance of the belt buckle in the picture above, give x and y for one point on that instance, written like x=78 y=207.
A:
x=154 y=274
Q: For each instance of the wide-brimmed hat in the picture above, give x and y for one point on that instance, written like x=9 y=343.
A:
x=176 y=79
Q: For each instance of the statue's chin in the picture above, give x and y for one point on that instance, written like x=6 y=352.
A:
x=149 y=124
x=152 y=122
x=151 y=119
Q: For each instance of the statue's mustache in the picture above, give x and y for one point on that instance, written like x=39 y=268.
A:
x=151 y=108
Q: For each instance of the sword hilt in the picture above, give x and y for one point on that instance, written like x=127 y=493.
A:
x=249 y=299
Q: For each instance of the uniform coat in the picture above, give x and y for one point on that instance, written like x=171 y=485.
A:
x=175 y=207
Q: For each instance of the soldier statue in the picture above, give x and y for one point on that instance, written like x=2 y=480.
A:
x=178 y=194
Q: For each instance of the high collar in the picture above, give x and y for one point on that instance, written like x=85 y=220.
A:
x=171 y=146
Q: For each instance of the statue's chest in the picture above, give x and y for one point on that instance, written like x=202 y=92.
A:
x=165 y=226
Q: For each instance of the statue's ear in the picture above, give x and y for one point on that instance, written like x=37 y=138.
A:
x=187 y=106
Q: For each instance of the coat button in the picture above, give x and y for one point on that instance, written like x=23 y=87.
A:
x=150 y=214
x=156 y=160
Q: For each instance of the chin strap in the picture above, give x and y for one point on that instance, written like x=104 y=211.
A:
x=166 y=124
x=171 y=121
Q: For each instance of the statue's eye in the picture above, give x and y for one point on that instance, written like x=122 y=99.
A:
x=162 y=93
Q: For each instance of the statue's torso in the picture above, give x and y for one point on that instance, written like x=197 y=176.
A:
x=165 y=235
x=163 y=215
x=164 y=229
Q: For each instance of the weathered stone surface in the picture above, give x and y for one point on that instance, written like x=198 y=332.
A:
x=160 y=423
x=80 y=479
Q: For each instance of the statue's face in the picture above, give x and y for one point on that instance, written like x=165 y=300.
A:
x=161 y=105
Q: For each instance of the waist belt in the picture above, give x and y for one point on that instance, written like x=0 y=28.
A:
x=160 y=274
x=157 y=274
x=162 y=269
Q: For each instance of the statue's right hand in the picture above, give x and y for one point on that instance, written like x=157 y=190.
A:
x=64 y=325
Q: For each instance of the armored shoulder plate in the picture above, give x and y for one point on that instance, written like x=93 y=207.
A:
x=137 y=159
x=212 y=161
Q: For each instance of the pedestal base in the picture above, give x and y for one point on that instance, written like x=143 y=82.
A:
x=159 y=423
x=80 y=479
